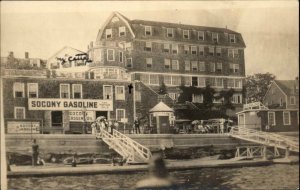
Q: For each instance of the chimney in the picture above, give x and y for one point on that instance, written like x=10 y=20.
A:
x=26 y=55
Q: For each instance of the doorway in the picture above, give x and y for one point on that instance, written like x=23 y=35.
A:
x=102 y=113
x=57 y=118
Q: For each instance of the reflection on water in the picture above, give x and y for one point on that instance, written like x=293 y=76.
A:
x=267 y=177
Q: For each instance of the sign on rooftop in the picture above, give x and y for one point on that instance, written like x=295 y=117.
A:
x=254 y=106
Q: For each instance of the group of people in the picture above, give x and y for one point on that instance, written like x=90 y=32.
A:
x=104 y=124
x=222 y=127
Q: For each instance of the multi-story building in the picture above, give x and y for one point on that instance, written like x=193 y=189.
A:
x=156 y=52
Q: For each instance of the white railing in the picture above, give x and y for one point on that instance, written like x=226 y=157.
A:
x=129 y=149
x=265 y=138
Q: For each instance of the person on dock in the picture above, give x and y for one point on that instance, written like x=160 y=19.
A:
x=35 y=152
x=137 y=126
x=158 y=176
x=93 y=126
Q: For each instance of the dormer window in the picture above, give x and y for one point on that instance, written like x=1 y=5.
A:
x=148 y=31
x=170 y=32
x=122 y=31
x=108 y=33
x=186 y=34
x=232 y=38
x=201 y=35
x=215 y=37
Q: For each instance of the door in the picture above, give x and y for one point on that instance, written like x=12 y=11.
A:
x=164 y=124
x=57 y=118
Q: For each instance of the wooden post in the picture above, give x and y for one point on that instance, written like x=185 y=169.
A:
x=265 y=152
x=287 y=152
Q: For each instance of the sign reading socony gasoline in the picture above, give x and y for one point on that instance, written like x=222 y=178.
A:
x=69 y=104
x=23 y=127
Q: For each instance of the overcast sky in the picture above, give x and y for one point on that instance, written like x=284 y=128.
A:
x=270 y=28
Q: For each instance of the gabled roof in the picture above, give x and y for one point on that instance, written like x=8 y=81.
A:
x=287 y=86
x=64 y=49
x=161 y=107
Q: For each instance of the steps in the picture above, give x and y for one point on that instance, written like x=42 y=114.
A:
x=265 y=138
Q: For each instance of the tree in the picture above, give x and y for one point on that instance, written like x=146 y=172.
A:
x=226 y=103
x=257 y=86
x=208 y=97
x=162 y=89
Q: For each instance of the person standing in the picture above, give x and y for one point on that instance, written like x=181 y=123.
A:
x=35 y=152
x=137 y=126
x=93 y=126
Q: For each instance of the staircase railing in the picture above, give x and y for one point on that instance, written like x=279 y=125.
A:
x=265 y=138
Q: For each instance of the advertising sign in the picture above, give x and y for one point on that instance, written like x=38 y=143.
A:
x=78 y=116
x=23 y=127
x=69 y=104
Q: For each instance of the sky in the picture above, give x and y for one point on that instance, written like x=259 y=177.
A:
x=270 y=29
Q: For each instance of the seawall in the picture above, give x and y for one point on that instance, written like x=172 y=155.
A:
x=59 y=143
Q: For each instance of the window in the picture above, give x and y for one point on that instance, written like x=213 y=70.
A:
x=186 y=34
x=201 y=82
x=194 y=50
x=170 y=32
x=201 y=66
x=148 y=31
x=120 y=92
x=145 y=78
x=108 y=33
x=121 y=57
x=138 y=96
x=166 y=48
x=234 y=68
x=232 y=38
x=110 y=55
x=174 y=48
x=122 y=31
x=120 y=114
x=212 y=67
x=219 y=82
x=194 y=66
x=167 y=63
x=19 y=90
x=77 y=90
x=271 y=118
x=154 y=79
x=107 y=92
x=187 y=81
x=186 y=49
x=286 y=118
x=64 y=91
x=211 y=51
x=234 y=53
x=200 y=35
x=218 y=51
x=32 y=90
x=197 y=98
x=175 y=65
x=148 y=46
x=201 y=50
x=187 y=65
x=167 y=80
x=194 y=81
x=173 y=96
x=234 y=83
x=219 y=67
x=149 y=62
x=129 y=62
x=176 y=80
x=19 y=112
x=215 y=37
x=236 y=99
x=292 y=100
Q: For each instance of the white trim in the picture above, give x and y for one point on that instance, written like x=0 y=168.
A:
x=69 y=95
x=112 y=93
x=23 y=91
x=294 y=100
x=15 y=112
x=117 y=113
x=107 y=54
x=193 y=75
x=123 y=94
x=37 y=90
x=80 y=90
x=274 y=120
x=289 y=123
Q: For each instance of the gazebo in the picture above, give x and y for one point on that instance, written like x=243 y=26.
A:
x=162 y=118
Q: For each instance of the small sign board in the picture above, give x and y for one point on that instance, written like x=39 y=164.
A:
x=23 y=127
x=124 y=120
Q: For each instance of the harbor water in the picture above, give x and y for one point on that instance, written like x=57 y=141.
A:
x=264 y=177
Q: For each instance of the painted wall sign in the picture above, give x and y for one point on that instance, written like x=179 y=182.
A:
x=69 y=104
x=78 y=116
x=80 y=56
x=23 y=127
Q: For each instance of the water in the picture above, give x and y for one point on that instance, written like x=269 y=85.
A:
x=266 y=177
